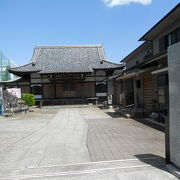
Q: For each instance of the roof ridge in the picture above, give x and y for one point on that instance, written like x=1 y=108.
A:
x=100 y=54
x=37 y=54
x=64 y=46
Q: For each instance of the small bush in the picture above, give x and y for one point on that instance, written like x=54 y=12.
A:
x=28 y=99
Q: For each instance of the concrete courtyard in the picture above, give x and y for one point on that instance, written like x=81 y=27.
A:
x=66 y=142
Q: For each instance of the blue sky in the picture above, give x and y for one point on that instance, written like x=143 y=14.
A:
x=118 y=24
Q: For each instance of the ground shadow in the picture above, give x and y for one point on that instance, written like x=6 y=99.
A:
x=151 y=124
x=114 y=115
x=153 y=160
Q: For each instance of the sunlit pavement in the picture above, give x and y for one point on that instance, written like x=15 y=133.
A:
x=62 y=142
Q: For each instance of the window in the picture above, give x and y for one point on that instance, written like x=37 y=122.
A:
x=162 y=80
x=101 y=88
x=109 y=73
x=36 y=90
x=175 y=36
x=148 y=54
x=68 y=87
x=149 y=51
x=138 y=83
x=164 y=42
x=162 y=85
x=169 y=39
x=178 y=35
x=161 y=95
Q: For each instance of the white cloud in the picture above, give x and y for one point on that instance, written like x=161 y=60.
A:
x=112 y=3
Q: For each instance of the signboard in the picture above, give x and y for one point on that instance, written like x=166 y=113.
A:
x=15 y=91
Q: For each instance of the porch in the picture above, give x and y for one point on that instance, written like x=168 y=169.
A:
x=69 y=92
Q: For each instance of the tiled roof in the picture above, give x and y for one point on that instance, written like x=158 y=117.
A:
x=117 y=72
x=66 y=59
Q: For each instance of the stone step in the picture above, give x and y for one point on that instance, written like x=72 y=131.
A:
x=80 y=169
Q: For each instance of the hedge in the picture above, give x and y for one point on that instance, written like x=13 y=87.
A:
x=28 y=99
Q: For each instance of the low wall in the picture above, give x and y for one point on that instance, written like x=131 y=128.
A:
x=174 y=102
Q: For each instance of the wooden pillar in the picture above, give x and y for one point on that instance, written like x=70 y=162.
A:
x=42 y=87
x=95 y=81
x=30 y=84
x=82 y=91
x=124 y=93
x=54 y=85
x=17 y=84
x=135 y=91
x=114 y=91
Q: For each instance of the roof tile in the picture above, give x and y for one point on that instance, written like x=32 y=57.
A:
x=66 y=59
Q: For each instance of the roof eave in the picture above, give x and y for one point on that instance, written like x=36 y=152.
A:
x=22 y=72
x=144 y=37
x=121 y=67
x=140 y=48
x=48 y=73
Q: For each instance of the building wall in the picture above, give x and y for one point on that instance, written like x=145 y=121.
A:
x=110 y=87
x=160 y=94
x=25 y=89
x=59 y=91
x=48 y=91
x=118 y=92
x=110 y=90
x=139 y=92
x=80 y=90
x=36 y=78
x=138 y=57
x=48 y=87
x=128 y=85
x=100 y=73
x=174 y=102
x=24 y=84
x=89 y=89
x=148 y=93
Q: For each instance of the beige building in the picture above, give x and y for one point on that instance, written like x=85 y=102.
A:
x=144 y=82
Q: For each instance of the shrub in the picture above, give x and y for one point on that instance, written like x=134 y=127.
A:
x=28 y=99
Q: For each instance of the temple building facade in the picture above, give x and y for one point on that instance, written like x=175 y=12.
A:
x=65 y=74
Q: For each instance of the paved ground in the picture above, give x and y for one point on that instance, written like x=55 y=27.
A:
x=113 y=170
x=120 y=138
x=49 y=137
x=47 y=140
